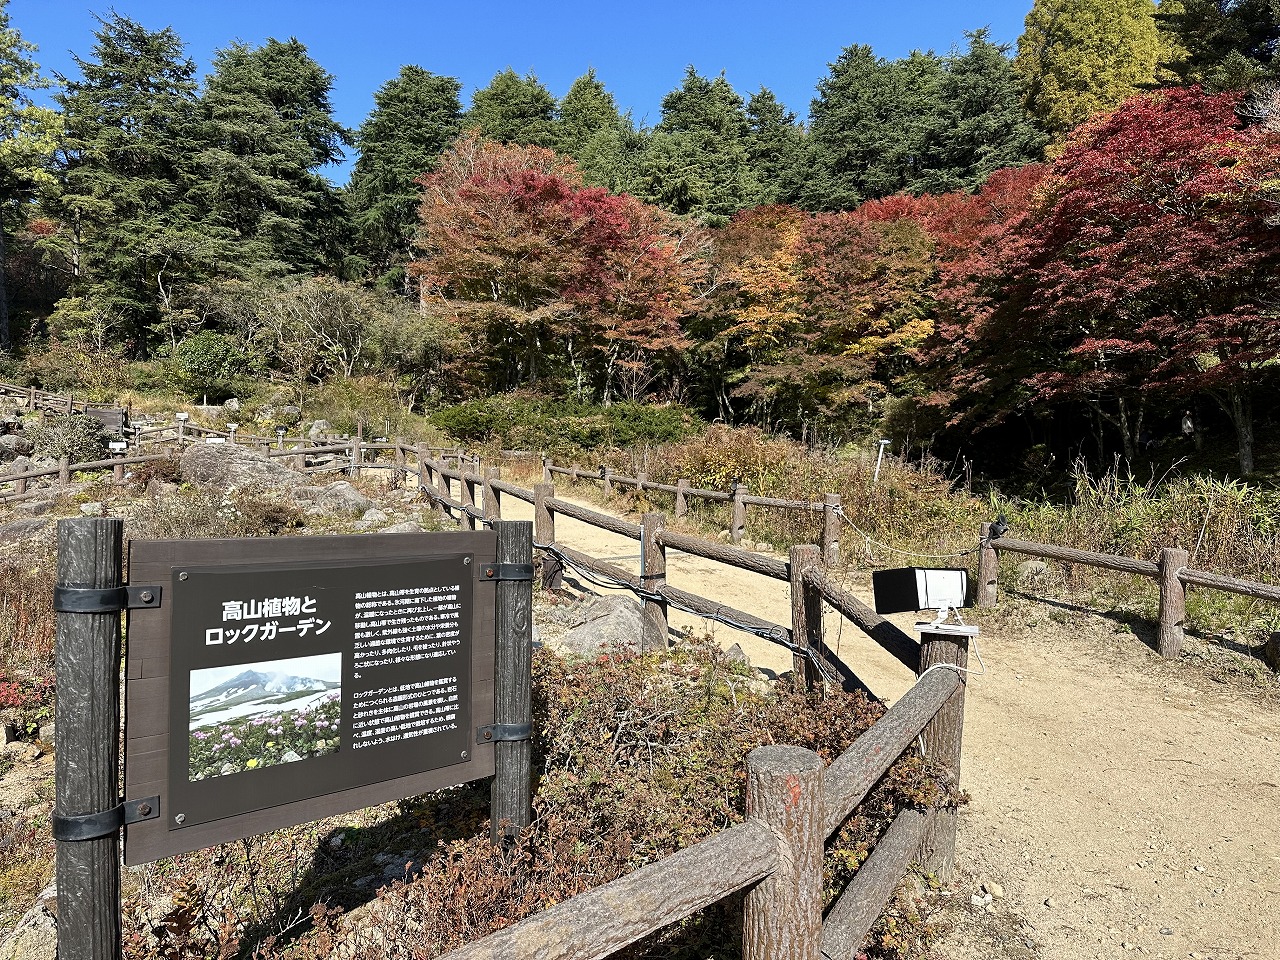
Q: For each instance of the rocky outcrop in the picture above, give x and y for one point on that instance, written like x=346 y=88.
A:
x=228 y=465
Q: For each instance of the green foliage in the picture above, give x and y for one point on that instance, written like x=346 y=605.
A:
x=1077 y=58
x=1222 y=44
x=75 y=436
x=527 y=421
x=213 y=364
x=415 y=116
x=515 y=109
x=698 y=160
x=128 y=173
x=267 y=129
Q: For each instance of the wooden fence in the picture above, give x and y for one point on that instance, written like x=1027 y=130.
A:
x=737 y=496
x=1171 y=573
x=794 y=804
x=351 y=456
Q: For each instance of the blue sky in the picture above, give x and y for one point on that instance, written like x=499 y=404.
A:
x=639 y=50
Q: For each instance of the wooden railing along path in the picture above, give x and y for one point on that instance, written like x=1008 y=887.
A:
x=794 y=802
x=737 y=496
x=1171 y=573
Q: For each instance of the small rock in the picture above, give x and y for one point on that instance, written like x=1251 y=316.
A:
x=993 y=889
x=1198 y=869
x=724 y=536
x=747 y=544
x=374 y=515
x=318 y=429
x=46 y=733
x=1166 y=931
x=22 y=751
x=408 y=526
x=290 y=757
x=227 y=768
x=764 y=546
x=232 y=406
x=336 y=841
x=93 y=509
x=736 y=655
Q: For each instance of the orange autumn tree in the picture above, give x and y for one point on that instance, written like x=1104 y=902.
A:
x=553 y=283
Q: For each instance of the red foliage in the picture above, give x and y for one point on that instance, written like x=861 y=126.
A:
x=515 y=247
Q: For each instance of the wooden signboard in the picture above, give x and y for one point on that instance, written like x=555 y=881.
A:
x=286 y=680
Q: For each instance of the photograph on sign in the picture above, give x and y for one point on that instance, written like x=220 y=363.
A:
x=255 y=715
x=294 y=682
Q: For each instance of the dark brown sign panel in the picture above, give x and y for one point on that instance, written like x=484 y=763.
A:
x=288 y=680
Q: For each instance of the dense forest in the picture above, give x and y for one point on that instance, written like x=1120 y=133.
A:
x=1064 y=250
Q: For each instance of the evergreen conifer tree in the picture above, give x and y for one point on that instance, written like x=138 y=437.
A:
x=415 y=117
x=1080 y=57
x=515 y=109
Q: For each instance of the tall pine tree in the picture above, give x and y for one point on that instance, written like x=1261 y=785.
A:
x=698 y=160
x=979 y=124
x=775 y=145
x=415 y=117
x=869 y=127
x=28 y=137
x=268 y=131
x=1222 y=44
x=131 y=124
x=515 y=109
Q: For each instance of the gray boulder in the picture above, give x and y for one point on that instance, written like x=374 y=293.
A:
x=24 y=529
x=342 y=497
x=407 y=526
x=228 y=465
x=604 y=624
x=14 y=445
x=318 y=429
x=36 y=935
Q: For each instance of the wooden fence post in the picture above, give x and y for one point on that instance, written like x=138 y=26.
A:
x=64 y=470
x=492 y=498
x=642 y=477
x=738 y=519
x=942 y=742
x=468 y=500
x=20 y=485
x=544 y=532
x=117 y=472
x=510 y=796
x=831 y=529
x=357 y=456
x=782 y=914
x=445 y=489
x=607 y=486
x=988 y=569
x=420 y=453
x=544 y=521
x=682 y=498
x=546 y=469
x=397 y=475
x=653 y=577
x=1173 y=602
x=86 y=764
x=806 y=618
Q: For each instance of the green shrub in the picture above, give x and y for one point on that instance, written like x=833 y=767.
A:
x=78 y=437
x=530 y=421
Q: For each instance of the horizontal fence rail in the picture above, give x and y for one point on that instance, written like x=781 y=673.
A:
x=1171 y=573
x=737 y=496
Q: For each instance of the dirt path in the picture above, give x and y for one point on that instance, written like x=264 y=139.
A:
x=1124 y=805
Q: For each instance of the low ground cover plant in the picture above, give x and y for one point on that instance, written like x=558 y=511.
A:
x=636 y=755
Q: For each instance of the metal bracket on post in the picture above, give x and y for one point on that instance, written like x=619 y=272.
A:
x=508 y=571
x=109 y=600
x=93 y=826
x=504 y=732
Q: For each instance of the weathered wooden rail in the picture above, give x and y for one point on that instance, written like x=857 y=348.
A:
x=1171 y=573
x=738 y=497
x=777 y=853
